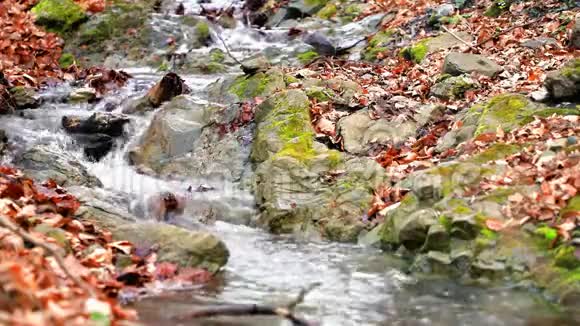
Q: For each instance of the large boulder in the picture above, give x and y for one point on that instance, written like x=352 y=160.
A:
x=465 y=63
x=229 y=90
x=44 y=162
x=564 y=83
x=293 y=188
x=177 y=245
x=58 y=15
x=172 y=132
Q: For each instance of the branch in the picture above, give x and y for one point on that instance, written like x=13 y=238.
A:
x=286 y=312
x=5 y=222
x=246 y=69
x=508 y=30
x=457 y=37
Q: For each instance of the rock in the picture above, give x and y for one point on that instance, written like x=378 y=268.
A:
x=557 y=144
x=464 y=227
x=453 y=87
x=575 y=35
x=412 y=231
x=433 y=262
x=98 y=123
x=359 y=131
x=419 y=50
x=229 y=90
x=464 y=63
x=3 y=141
x=43 y=162
x=58 y=15
x=25 y=98
x=82 y=95
x=291 y=168
x=539 y=42
x=437 y=238
x=95 y=146
x=170 y=86
x=426 y=187
x=172 y=132
x=445 y=9
x=564 y=83
x=307 y=7
x=176 y=245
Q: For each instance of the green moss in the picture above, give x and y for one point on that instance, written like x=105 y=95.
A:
x=416 y=52
x=164 y=66
x=66 y=60
x=445 y=221
x=488 y=234
x=59 y=16
x=377 y=44
x=288 y=79
x=318 y=93
x=497 y=8
x=572 y=206
x=572 y=69
x=217 y=55
x=499 y=195
x=495 y=152
x=451 y=20
x=334 y=158
x=202 y=31
x=259 y=84
x=565 y=257
x=546 y=233
x=307 y=57
x=328 y=11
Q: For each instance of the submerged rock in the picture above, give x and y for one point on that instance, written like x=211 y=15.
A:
x=95 y=146
x=465 y=63
x=564 y=83
x=176 y=245
x=44 y=162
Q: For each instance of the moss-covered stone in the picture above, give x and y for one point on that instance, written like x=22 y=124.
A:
x=327 y=11
x=416 y=52
x=217 y=55
x=59 y=16
x=498 y=7
x=308 y=56
x=495 y=152
x=203 y=32
x=377 y=44
x=259 y=84
x=66 y=60
x=572 y=206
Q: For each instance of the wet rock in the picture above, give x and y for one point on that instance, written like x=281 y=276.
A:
x=25 y=98
x=433 y=262
x=82 y=95
x=3 y=141
x=58 y=15
x=539 y=42
x=453 y=87
x=464 y=63
x=564 y=83
x=43 y=162
x=464 y=227
x=95 y=146
x=575 y=35
x=183 y=247
x=98 y=123
x=170 y=86
x=172 y=132
x=412 y=231
x=307 y=7
x=437 y=238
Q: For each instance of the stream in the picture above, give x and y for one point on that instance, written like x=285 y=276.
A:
x=359 y=285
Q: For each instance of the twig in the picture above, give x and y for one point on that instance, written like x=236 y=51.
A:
x=286 y=312
x=53 y=252
x=244 y=67
x=457 y=37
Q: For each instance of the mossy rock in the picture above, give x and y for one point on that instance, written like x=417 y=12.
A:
x=308 y=56
x=328 y=11
x=66 y=60
x=564 y=83
x=416 y=52
x=260 y=84
x=498 y=7
x=378 y=44
x=453 y=87
x=59 y=16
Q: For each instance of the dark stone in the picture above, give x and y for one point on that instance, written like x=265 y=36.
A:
x=3 y=141
x=98 y=123
x=95 y=146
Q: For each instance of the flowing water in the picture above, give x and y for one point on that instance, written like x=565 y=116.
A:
x=359 y=286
